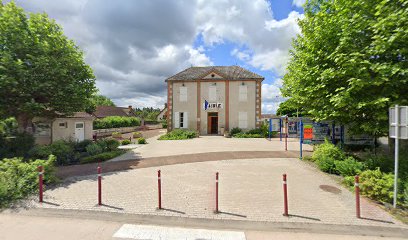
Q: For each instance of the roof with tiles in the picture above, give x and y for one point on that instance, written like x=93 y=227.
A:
x=227 y=72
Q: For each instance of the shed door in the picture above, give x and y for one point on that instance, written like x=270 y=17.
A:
x=79 y=131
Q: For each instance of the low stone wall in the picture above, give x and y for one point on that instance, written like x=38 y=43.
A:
x=109 y=131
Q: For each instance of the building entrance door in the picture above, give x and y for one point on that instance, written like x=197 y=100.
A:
x=212 y=120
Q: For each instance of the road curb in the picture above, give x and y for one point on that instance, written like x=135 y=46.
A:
x=216 y=223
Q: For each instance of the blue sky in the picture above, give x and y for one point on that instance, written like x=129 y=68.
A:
x=133 y=46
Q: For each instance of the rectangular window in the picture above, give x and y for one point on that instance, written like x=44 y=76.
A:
x=243 y=93
x=183 y=94
x=212 y=93
x=63 y=124
x=243 y=120
x=181 y=120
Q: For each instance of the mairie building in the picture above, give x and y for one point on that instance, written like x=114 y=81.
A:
x=214 y=99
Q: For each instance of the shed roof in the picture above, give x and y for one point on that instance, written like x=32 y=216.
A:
x=107 y=111
x=227 y=72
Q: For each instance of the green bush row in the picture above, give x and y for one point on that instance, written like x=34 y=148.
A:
x=261 y=132
x=179 y=134
x=69 y=152
x=375 y=171
x=116 y=122
x=19 y=178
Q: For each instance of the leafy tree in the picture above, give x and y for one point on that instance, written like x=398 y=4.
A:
x=42 y=73
x=350 y=62
x=100 y=100
x=289 y=108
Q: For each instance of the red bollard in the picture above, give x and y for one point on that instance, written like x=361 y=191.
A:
x=159 y=186
x=216 y=192
x=40 y=181
x=99 y=186
x=357 y=190
x=285 y=196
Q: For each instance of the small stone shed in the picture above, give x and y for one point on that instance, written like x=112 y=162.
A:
x=77 y=127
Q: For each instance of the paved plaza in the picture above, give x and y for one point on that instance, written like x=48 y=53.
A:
x=249 y=190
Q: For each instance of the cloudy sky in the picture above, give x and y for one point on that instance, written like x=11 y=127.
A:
x=134 y=45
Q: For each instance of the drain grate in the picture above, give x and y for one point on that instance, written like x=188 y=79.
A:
x=330 y=189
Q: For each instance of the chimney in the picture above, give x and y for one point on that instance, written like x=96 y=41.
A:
x=130 y=107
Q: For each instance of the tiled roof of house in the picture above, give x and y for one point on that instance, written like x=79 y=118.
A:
x=81 y=115
x=268 y=116
x=228 y=72
x=107 y=111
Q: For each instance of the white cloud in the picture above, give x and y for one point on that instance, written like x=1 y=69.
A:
x=298 y=3
x=271 y=96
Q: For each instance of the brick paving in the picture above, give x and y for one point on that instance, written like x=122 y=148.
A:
x=250 y=189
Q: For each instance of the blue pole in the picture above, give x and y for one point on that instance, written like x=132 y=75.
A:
x=270 y=128
x=301 y=139
x=280 y=129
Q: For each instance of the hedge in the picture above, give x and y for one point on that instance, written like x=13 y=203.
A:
x=116 y=122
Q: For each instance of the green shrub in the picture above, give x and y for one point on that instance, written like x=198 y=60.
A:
x=235 y=130
x=112 y=144
x=247 y=135
x=94 y=149
x=102 y=143
x=19 y=178
x=64 y=152
x=137 y=135
x=349 y=167
x=117 y=135
x=141 y=141
x=325 y=154
x=81 y=146
x=102 y=156
x=179 y=134
x=116 y=122
x=405 y=194
x=16 y=146
x=375 y=185
x=164 y=124
x=126 y=142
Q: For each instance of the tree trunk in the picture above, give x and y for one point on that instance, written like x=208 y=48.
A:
x=24 y=123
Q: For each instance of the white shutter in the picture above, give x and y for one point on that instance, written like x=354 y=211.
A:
x=212 y=93
x=243 y=120
x=185 y=121
x=176 y=120
x=243 y=93
x=183 y=94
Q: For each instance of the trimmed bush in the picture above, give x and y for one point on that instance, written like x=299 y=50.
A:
x=126 y=142
x=19 y=178
x=235 y=130
x=349 y=167
x=102 y=157
x=81 y=146
x=164 y=124
x=141 y=141
x=94 y=149
x=116 y=122
x=179 y=134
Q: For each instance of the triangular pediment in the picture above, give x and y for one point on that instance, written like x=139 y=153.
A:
x=212 y=75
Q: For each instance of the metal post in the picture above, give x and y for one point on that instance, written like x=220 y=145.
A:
x=280 y=128
x=301 y=139
x=357 y=191
x=99 y=186
x=40 y=181
x=396 y=155
x=270 y=128
x=285 y=196
x=159 y=187
x=216 y=192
